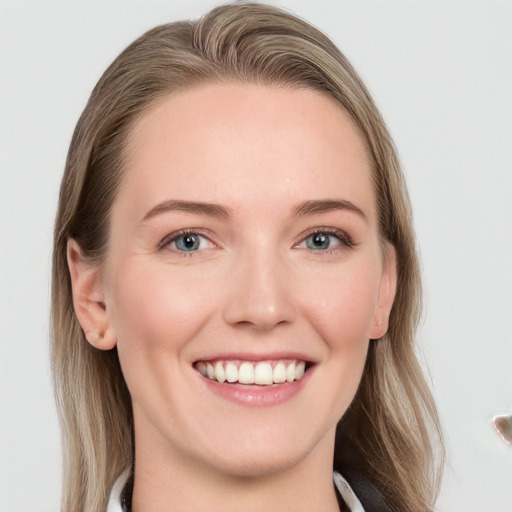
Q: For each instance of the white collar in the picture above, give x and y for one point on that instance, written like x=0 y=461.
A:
x=114 y=502
x=348 y=495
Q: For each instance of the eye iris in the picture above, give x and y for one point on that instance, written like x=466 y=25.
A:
x=318 y=241
x=187 y=243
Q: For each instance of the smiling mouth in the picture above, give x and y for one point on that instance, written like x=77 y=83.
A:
x=263 y=373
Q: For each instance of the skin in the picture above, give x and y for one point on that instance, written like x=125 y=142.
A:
x=254 y=286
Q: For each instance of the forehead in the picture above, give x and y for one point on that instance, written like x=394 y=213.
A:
x=216 y=142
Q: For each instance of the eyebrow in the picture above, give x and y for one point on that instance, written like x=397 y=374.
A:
x=312 y=207
x=325 y=206
x=197 y=207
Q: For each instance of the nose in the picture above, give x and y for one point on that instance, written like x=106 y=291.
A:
x=259 y=293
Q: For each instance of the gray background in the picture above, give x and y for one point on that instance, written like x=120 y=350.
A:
x=441 y=73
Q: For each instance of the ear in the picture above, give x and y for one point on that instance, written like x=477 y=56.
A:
x=387 y=290
x=88 y=298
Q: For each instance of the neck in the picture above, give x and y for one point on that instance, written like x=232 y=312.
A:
x=176 y=483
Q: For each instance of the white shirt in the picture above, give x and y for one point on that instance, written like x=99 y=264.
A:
x=348 y=495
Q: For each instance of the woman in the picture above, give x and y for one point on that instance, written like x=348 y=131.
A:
x=235 y=284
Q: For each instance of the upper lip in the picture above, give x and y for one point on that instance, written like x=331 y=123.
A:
x=255 y=357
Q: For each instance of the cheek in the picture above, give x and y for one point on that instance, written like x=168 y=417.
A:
x=156 y=312
x=155 y=307
x=341 y=305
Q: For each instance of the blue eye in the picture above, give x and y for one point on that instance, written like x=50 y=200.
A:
x=188 y=242
x=320 y=241
x=185 y=242
x=328 y=239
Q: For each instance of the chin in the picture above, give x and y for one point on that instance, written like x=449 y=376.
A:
x=264 y=451
x=258 y=463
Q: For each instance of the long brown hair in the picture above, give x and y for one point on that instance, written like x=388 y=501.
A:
x=391 y=431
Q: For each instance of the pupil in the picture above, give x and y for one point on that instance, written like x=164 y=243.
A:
x=321 y=241
x=187 y=243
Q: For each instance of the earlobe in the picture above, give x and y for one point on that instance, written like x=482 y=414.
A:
x=105 y=341
x=386 y=297
x=88 y=298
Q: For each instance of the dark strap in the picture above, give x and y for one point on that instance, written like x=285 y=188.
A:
x=126 y=495
x=367 y=494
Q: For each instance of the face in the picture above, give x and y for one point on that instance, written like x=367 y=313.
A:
x=244 y=276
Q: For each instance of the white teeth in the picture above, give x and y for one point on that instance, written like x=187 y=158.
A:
x=263 y=373
x=246 y=373
x=201 y=367
x=300 y=369
x=290 y=372
x=219 y=372
x=279 y=373
x=231 y=372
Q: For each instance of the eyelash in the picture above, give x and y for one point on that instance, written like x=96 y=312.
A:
x=339 y=234
x=173 y=237
x=344 y=239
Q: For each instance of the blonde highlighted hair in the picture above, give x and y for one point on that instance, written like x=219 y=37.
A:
x=390 y=435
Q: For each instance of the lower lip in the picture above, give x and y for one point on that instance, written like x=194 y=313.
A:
x=254 y=395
